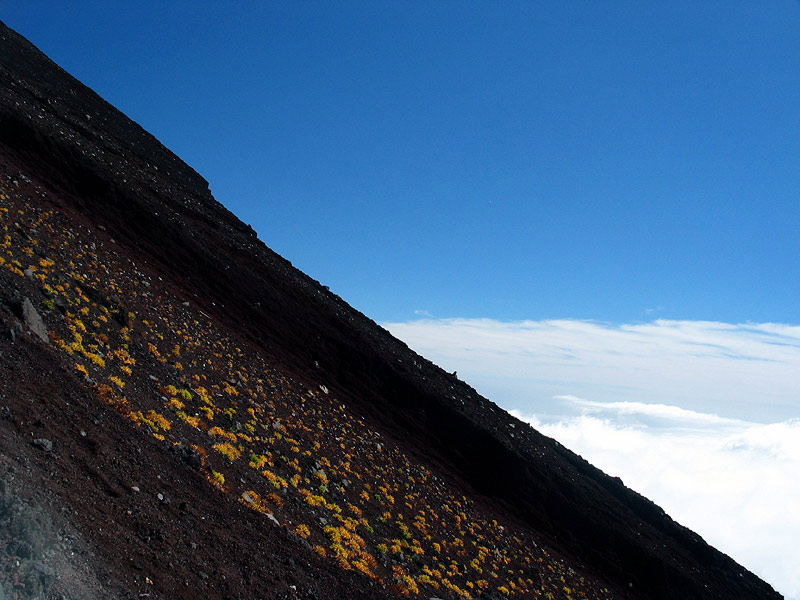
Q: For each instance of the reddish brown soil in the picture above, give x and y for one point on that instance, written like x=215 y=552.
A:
x=139 y=257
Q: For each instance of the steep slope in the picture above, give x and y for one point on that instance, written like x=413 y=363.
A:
x=219 y=419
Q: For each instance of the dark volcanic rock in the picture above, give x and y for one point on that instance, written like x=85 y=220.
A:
x=43 y=443
x=106 y=177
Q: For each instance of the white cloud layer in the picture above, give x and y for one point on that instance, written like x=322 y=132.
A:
x=701 y=417
x=743 y=371
x=733 y=482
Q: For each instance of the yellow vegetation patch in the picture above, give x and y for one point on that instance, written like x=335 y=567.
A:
x=193 y=421
x=253 y=501
x=217 y=479
x=302 y=531
x=152 y=419
x=219 y=432
x=227 y=450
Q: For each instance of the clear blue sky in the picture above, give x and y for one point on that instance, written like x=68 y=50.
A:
x=619 y=161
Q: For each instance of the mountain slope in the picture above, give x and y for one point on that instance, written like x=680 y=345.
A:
x=298 y=449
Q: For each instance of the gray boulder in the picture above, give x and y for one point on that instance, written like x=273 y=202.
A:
x=34 y=321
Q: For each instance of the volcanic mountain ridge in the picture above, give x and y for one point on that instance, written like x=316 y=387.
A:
x=186 y=415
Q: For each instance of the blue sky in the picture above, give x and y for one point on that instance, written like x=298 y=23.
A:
x=588 y=209
x=518 y=160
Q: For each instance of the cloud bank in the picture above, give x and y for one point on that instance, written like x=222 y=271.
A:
x=744 y=371
x=733 y=482
x=701 y=417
